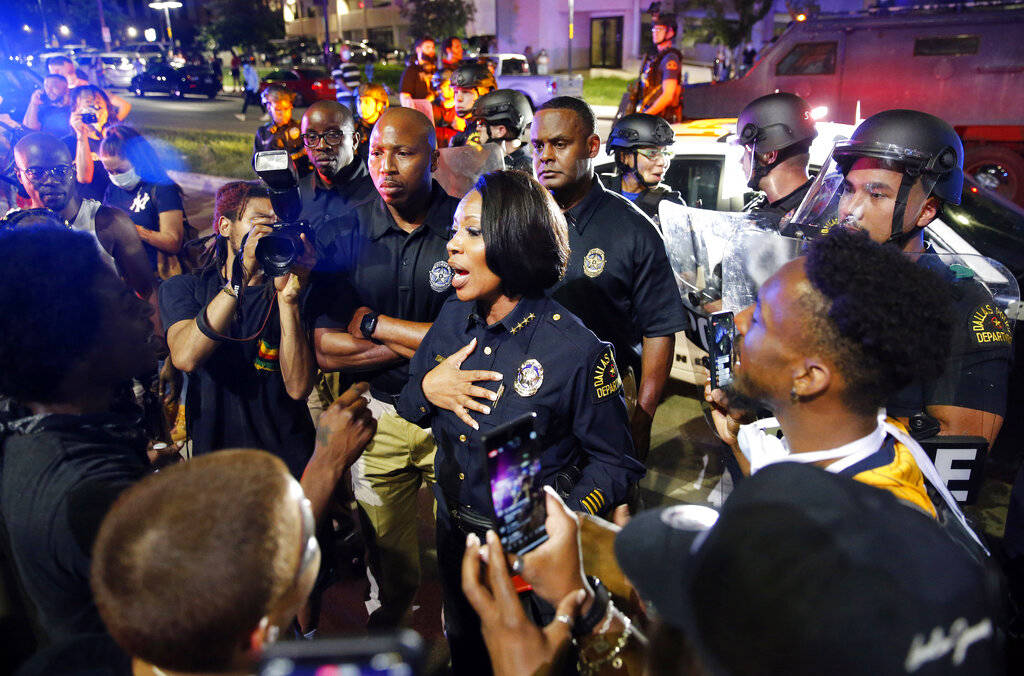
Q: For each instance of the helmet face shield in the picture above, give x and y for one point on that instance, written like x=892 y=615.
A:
x=879 y=188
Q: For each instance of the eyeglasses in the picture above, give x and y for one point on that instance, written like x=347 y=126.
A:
x=333 y=137
x=654 y=153
x=58 y=172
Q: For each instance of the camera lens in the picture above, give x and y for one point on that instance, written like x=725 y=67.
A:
x=276 y=253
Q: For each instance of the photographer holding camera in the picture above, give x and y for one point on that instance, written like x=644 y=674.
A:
x=239 y=333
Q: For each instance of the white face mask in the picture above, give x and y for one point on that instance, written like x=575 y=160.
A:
x=126 y=180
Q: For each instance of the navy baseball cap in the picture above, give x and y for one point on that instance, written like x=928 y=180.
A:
x=807 y=572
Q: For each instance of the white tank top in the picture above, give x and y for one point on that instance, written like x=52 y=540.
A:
x=85 y=221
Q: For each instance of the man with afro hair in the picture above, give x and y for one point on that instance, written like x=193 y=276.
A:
x=832 y=336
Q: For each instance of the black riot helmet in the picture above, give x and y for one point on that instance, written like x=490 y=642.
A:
x=473 y=75
x=634 y=131
x=637 y=130
x=774 y=122
x=923 y=148
x=779 y=122
x=505 y=107
x=926 y=146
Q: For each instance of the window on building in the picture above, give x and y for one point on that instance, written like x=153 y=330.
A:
x=809 y=58
x=952 y=45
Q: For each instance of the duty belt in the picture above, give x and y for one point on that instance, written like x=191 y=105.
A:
x=469 y=520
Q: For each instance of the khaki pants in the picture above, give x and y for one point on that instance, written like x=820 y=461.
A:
x=386 y=480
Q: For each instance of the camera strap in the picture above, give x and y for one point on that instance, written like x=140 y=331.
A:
x=238 y=288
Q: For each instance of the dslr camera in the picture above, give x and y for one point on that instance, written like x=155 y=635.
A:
x=277 y=251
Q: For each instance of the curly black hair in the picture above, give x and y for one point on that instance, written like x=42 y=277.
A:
x=886 y=321
x=49 y=316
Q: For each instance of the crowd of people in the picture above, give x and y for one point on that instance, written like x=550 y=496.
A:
x=409 y=326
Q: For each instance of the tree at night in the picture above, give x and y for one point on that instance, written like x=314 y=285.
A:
x=437 y=18
x=247 y=24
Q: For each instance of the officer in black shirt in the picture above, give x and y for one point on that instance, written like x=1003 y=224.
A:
x=470 y=81
x=504 y=117
x=640 y=143
x=776 y=132
x=619 y=281
x=385 y=278
x=64 y=456
x=242 y=340
x=339 y=178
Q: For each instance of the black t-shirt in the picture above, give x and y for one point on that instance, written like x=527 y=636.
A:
x=976 y=375
x=144 y=204
x=366 y=259
x=59 y=474
x=95 y=189
x=619 y=282
x=237 y=397
x=320 y=203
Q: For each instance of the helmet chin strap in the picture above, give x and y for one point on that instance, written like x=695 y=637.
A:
x=635 y=169
x=897 y=236
x=759 y=170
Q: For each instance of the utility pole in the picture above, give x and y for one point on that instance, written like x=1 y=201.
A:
x=327 y=35
x=572 y=16
x=104 y=31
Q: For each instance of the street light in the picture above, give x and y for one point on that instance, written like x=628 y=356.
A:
x=132 y=32
x=150 y=34
x=64 y=30
x=167 y=6
x=26 y=28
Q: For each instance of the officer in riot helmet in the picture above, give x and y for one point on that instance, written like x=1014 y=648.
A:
x=776 y=132
x=890 y=179
x=640 y=144
x=470 y=82
x=661 y=83
x=504 y=117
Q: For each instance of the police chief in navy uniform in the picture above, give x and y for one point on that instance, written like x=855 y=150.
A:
x=383 y=279
x=502 y=348
x=618 y=281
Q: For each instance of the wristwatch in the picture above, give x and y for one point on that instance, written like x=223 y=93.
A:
x=586 y=624
x=368 y=325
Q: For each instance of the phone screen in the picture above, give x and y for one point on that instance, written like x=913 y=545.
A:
x=395 y=654
x=513 y=459
x=723 y=332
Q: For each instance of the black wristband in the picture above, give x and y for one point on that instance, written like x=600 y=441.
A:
x=368 y=324
x=205 y=328
x=602 y=597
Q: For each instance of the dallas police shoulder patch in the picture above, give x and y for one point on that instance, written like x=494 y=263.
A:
x=604 y=376
x=988 y=326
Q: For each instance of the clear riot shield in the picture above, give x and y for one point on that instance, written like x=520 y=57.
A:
x=458 y=168
x=720 y=259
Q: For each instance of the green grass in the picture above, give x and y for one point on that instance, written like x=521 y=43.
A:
x=206 y=152
x=603 y=91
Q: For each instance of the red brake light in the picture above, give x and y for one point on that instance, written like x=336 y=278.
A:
x=974 y=189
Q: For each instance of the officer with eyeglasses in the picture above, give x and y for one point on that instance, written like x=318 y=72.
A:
x=339 y=178
x=640 y=144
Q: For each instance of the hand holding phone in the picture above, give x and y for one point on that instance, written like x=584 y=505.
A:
x=723 y=333
x=513 y=462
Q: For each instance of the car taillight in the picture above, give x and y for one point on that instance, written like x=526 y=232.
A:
x=552 y=87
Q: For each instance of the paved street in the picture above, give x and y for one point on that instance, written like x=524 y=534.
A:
x=194 y=112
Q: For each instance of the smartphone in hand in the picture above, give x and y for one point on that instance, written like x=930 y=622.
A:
x=513 y=462
x=723 y=333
